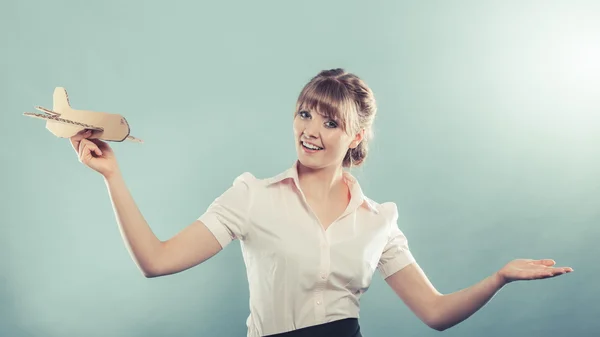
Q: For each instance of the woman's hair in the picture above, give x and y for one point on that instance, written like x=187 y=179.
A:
x=346 y=99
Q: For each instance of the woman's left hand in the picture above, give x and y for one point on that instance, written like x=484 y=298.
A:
x=527 y=269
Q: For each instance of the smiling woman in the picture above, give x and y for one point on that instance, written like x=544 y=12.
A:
x=339 y=100
x=311 y=239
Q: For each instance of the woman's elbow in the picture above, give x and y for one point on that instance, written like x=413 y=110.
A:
x=149 y=274
x=437 y=327
x=150 y=271
x=435 y=322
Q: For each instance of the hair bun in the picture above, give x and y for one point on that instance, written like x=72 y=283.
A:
x=332 y=72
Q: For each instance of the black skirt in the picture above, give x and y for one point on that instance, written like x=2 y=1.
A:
x=347 y=327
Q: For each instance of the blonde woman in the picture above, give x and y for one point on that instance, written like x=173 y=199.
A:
x=311 y=240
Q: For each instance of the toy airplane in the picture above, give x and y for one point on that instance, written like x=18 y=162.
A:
x=65 y=122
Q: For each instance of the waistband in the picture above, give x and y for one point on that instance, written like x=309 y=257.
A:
x=347 y=327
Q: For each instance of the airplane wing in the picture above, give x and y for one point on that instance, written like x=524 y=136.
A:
x=55 y=118
x=48 y=111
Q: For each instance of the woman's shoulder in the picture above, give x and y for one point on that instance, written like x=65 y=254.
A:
x=385 y=209
x=245 y=177
x=251 y=178
x=253 y=181
x=264 y=180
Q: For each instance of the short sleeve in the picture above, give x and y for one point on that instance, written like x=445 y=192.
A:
x=227 y=215
x=396 y=254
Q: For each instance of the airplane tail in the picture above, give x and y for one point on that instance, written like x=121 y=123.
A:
x=61 y=100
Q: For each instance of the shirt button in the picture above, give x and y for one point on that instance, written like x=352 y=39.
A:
x=318 y=302
x=323 y=276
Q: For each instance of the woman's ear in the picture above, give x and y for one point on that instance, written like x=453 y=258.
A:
x=357 y=139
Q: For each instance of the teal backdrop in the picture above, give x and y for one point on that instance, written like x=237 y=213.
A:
x=487 y=138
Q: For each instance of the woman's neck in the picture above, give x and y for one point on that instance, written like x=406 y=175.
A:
x=321 y=184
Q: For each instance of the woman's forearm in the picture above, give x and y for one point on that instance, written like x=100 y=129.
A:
x=454 y=308
x=142 y=243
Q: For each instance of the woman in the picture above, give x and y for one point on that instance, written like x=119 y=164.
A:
x=310 y=238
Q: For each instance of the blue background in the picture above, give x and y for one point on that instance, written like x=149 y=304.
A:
x=487 y=138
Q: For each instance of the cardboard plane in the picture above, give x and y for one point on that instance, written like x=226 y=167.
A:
x=65 y=122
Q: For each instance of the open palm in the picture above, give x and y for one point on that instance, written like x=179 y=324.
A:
x=528 y=269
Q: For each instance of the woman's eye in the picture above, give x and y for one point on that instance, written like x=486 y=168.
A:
x=331 y=124
x=304 y=114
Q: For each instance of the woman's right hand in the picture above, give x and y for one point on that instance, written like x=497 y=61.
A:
x=94 y=153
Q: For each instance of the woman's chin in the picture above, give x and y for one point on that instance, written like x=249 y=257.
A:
x=309 y=162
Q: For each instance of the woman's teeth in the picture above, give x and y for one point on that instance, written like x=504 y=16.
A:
x=311 y=147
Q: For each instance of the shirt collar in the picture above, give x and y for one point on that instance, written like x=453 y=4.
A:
x=356 y=192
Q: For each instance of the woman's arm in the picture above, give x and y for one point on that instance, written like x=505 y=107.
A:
x=441 y=312
x=191 y=246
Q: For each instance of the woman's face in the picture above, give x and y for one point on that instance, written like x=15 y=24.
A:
x=321 y=142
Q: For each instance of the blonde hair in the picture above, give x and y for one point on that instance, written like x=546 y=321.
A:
x=346 y=99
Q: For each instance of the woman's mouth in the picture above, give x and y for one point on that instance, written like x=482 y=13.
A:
x=310 y=147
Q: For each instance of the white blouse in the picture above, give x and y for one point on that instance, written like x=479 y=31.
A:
x=299 y=273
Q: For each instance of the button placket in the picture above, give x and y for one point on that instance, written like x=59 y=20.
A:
x=321 y=282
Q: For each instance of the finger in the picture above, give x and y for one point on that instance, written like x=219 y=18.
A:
x=554 y=271
x=86 y=149
x=79 y=136
x=75 y=140
x=101 y=144
x=96 y=133
x=564 y=269
x=94 y=147
x=82 y=134
x=104 y=148
x=81 y=150
x=75 y=144
x=545 y=262
x=557 y=271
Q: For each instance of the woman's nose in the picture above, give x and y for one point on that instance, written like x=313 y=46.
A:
x=311 y=130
